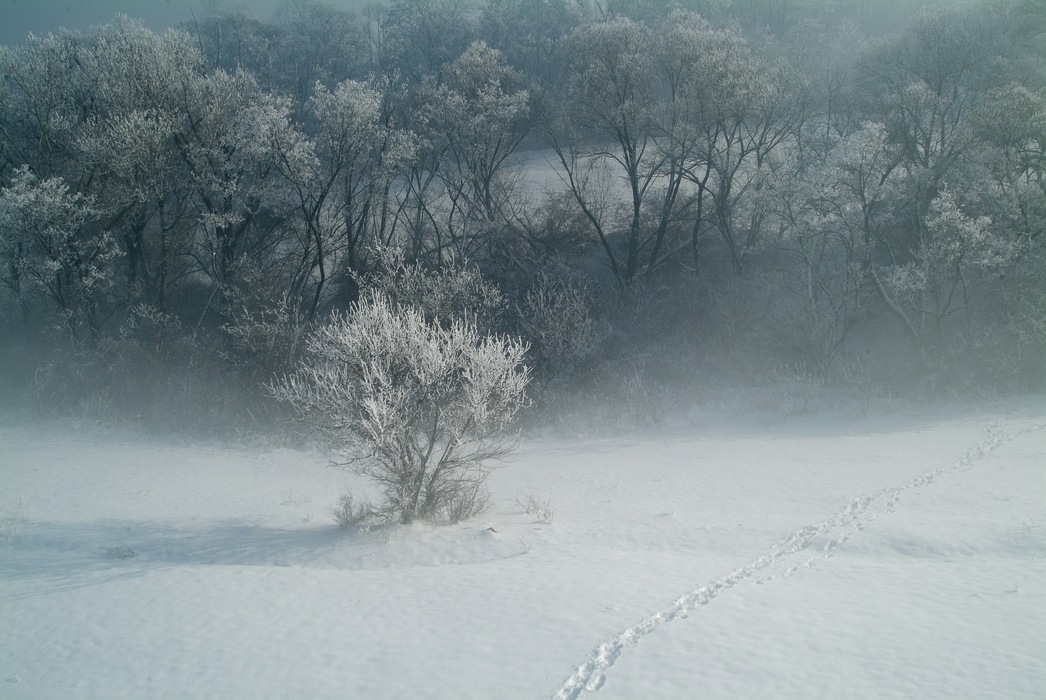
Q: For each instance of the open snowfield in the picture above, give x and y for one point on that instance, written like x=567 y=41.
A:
x=893 y=556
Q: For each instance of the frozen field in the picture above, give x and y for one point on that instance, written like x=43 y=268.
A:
x=896 y=556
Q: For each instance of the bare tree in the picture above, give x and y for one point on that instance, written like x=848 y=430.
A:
x=607 y=125
x=734 y=112
x=835 y=214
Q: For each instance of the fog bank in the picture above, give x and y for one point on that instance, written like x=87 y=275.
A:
x=19 y=18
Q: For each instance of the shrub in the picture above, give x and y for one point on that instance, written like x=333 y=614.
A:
x=417 y=406
x=265 y=340
x=556 y=316
x=455 y=291
x=351 y=511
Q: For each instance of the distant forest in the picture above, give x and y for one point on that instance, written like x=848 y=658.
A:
x=653 y=197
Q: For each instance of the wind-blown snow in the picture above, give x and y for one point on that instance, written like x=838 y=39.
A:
x=898 y=556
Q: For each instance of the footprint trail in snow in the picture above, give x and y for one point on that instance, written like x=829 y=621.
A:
x=590 y=675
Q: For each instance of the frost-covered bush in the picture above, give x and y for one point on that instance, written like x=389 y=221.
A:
x=556 y=317
x=416 y=406
x=454 y=291
x=266 y=340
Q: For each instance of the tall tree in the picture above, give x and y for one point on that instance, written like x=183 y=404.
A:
x=732 y=110
x=606 y=124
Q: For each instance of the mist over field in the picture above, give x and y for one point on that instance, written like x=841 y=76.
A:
x=522 y=349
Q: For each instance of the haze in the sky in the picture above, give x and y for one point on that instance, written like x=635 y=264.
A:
x=19 y=18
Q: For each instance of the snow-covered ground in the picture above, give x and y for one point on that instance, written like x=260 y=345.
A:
x=896 y=556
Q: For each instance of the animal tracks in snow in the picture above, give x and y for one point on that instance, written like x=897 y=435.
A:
x=590 y=675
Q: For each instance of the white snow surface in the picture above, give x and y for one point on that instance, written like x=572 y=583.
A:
x=893 y=556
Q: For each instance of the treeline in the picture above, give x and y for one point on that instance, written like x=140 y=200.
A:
x=631 y=189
